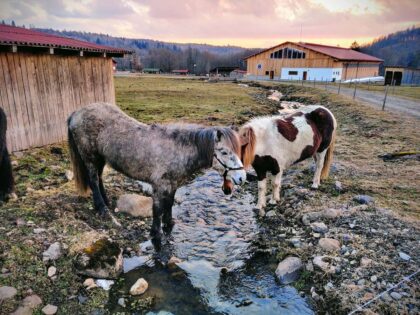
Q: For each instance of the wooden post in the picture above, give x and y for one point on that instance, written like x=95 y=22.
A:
x=326 y=83
x=386 y=94
x=314 y=81
x=339 y=86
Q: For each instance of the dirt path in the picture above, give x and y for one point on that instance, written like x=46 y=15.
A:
x=376 y=99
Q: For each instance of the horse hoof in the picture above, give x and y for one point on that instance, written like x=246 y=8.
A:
x=157 y=243
x=314 y=187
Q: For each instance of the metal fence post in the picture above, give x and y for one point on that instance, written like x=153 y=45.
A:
x=354 y=93
x=339 y=86
x=386 y=94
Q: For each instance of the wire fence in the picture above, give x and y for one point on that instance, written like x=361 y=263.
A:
x=358 y=89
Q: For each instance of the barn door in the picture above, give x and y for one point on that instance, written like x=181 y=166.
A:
x=304 y=75
x=271 y=75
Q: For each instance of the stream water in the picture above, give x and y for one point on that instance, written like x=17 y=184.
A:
x=219 y=272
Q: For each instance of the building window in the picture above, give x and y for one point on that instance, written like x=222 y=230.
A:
x=271 y=55
x=293 y=72
x=266 y=73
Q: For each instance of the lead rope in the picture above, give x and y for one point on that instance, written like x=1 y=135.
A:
x=381 y=294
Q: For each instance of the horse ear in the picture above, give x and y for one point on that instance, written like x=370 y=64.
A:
x=219 y=135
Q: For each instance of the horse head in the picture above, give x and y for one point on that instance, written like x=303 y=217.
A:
x=227 y=151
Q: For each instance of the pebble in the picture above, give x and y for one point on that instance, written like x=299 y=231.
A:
x=121 y=302
x=329 y=244
x=139 y=287
x=364 y=199
x=52 y=271
x=365 y=262
x=39 y=230
x=270 y=214
x=386 y=297
x=396 y=295
x=7 y=292
x=361 y=282
x=69 y=175
x=338 y=186
x=319 y=227
x=374 y=278
x=173 y=262
x=89 y=283
x=288 y=270
x=49 y=309
x=32 y=301
x=104 y=284
x=404 y=256
x=52 y=253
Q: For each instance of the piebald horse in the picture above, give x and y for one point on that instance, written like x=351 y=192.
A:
x=271 y=144
x=165 y=156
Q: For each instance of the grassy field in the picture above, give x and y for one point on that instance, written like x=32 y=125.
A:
x=47 y=200
x=159 y=99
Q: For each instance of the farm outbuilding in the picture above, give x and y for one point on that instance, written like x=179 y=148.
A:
x=397 y=75
x=222 y=71
x=43 y=78
x=306 y=61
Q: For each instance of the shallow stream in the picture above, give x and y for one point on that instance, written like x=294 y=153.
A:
x=220 y=272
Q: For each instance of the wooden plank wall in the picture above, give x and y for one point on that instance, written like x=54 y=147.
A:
x=39 y=91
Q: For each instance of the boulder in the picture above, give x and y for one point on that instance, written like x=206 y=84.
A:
x=7 y=293
x=289 y=270
x=329 y=244
x=32 y=301
x=52 y=253
x=49 y=309
x=102 y=259
x=136 y=205
x=139 y=287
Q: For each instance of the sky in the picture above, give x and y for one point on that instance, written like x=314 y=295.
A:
x=246 y=23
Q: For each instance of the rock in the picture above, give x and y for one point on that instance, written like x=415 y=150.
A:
x=7 y=293
x=395 y=295
x=331 y=213
x=338 y=186
x=69 y=175
x=32 y=301
x=104 y=284
x=309 y=266
x=373 y=279
x=270 y=214
x=14 y=163
x=173 y=262
x=404 y=256
x=319 y=262
x=135 y=205
x=20 y=222
x=361 y=282
x=295 y=242
x=102 y=259
x=289 y=270
x=52 y=271
x=329 y=244
x=139 y=287
x=22 y=310
x=49 y=309
x=319 y=227
x=89 y=283
x=364 y=199
x=121 y=302
x=52 y=253
x=386 y=297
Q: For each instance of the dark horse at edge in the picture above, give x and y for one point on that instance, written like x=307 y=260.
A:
x=165 y=156
x=6 y=174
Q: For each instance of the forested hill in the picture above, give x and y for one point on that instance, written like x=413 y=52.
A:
x=400 y=48
x=165 y=55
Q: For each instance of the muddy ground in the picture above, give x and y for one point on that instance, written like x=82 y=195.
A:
x=371 y=236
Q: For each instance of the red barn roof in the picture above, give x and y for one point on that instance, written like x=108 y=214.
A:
x=10 y=35
x=339 y=53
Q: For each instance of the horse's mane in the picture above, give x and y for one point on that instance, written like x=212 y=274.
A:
x=202 y=137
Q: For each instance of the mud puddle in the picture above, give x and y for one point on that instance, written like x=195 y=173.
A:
x=219 y=272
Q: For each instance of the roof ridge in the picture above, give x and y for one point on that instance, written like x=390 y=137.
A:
x=322 y=45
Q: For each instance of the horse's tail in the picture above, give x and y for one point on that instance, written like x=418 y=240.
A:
x=6 y=178
x=328 y=157
x=80 y=171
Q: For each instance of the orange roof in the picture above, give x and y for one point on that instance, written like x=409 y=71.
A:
x=339 y=53
x=11 y=35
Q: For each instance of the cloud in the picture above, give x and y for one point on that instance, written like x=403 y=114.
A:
x=227 y=21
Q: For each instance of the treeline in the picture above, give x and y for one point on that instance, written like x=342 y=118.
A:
x=397 y=49
x=197 y=58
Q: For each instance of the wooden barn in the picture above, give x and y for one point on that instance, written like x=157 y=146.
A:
x=43 y=78
x=305 y=61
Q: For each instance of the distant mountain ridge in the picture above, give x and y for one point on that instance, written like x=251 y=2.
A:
x=397 y=49
x=140 y=43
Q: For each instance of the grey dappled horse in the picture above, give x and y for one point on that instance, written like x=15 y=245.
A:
x=166 y=156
